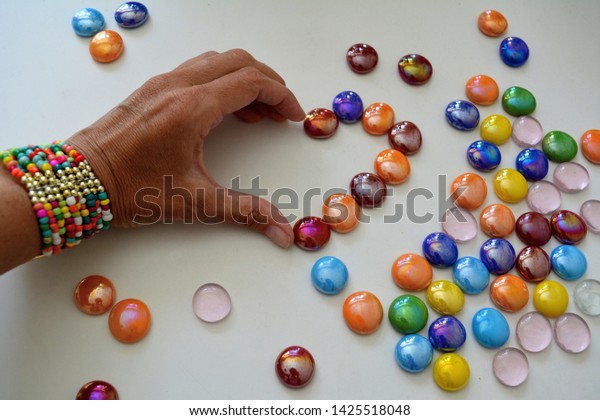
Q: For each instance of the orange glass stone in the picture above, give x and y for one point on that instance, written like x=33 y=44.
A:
x=341 y=212
x=412 y=272
x=469 y=191
x=378 y=118
x=509 y=292
x=482 y=90
x=497 y=221
x=106 y=46
x=94 y=295
x=492 y=23
x=392 y=166
x=590 y=146
x=363 y=312
x=129 y=320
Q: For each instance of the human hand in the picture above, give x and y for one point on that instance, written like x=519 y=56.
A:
x=148 y=151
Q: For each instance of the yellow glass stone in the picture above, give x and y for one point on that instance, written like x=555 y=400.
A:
x=451 y=372
x=510 y=185
x=496 y=129
x=550 y=298
x=445 y=297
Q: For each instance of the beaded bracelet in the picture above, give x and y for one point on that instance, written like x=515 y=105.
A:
x=69 y=202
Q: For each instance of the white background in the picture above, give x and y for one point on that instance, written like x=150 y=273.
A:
x=50 y=88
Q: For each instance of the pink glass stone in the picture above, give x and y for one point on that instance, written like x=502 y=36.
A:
x=295 y=367
x=415 y=69
x=590 y=212
x=405 y=137
x=534 y=332
x=94 y=295
x=97 y=390
x=320 y=123
x=362 y=58
x=510 y=366
x=543 y=197
x=533 y=264
x=527 y=131
x=572 y=333
x=368 y=189
x=459 y=224
x=311 y=233
x=568 y=227
x=211 y=303
x=571 y=177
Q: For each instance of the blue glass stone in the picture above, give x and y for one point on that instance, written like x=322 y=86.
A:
x=88 y=22
x=471 y=275
x=533 y=164
x=483 y=155
x=329 y=275
x=447 y=334
x=440 y=250
x=514 y=51
x=568 y=262
x=131 y=14
x=498 y=255
x=413 y=353
x=490 y=328
x=348 y=107
x=462 y=115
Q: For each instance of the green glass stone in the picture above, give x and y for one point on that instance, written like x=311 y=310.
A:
x=559 y=146
x=518 y=101
x=408 y=314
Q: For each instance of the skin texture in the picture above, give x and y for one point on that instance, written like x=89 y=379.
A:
x=148 y=153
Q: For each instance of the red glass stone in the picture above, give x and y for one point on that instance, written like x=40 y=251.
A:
x=415 y=69
x=97 y=390
x=533 y=228
x=129 y=320
x=368 y=189
x=362 y=58
x=295 y=367
x=94 y=295
x=311 y=233
x=320 y=123
x=533 y=264
x=405 y=137
x=568 y=227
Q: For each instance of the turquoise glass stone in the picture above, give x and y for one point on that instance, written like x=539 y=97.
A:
x=408 y=314
x=490 y=328
x=568 y=262
x=462 y=115
x=514 y=52
x=88 y=22
x=518 y=101
x=329 y=275
x=471 y=275
x=413 y=353
x=131 y=14
x=559 y=146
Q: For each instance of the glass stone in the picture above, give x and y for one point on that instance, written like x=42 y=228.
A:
x=571 y=177
x=211 y=303
x=496 y=129
x=462 y=115
x=483 y=155
x=363 y=312
x=534 y=332
x=362 y=58
x=415 y=69
x=490 y=328
x=533 y=264
x=412 y=272
x=469 y=191
x=492 y=23
x=482 y=90
x=459 y=224
x=408 y=314
x=471 y=275
x=514 y=52
x=445 y=297
x=509 y=293
x=97 y=390
x=590 y=146
x=131 y=15
x=295 y=367
x=568 y=262
x=329 y=275
x=440 y=250
x=311 y=233
x=451 y=372
x=510 y=185
x=341 y=212
x=510 y=366
x=568 y=227
x=533 y=164
x=88 y=22
x=413 y=353
x=550 y=298
x=572 y=333
x=368 y=190
x=543 y=197
x=587 y=297
x=518 y=101
x=447 y=334
x=405 y=137
x=106 y=46
x=533 y=229
x=94 y=295
x=527 y=131
x=559 y=146
x=498 y=255
x=320 y=123
x=497 y=221
x=590 y=213
x=392 y=166
x=348 y=107
x=378 y=118
x=129 y=320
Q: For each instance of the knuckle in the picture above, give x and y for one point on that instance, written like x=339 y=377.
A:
x=241 y=55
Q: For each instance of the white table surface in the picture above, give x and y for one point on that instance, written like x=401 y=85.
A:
x=50 y=88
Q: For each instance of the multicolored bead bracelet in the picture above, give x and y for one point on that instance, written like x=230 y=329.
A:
x=69 y=202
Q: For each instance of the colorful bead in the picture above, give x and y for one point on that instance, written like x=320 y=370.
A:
x=131 y=14
x=451 y=372
x=445 y=297
x=469 y=191
x=368 y=190
x=462 y=115
x=440 y=250
x=363 y=312
x=341 y=212
x=590 y=146
x=295 y=367
x=492 y=23
x=447 y=334
x=211 y=303
x=482 y=90
x=559 y=146
x=543 y=197
x=514 y=52
x=527 y=131
x=533 y=164
x=320 y=123
x=311 y=233
x=348 y=107
x=362 y=58
x=497 y=221
x=509 y=293
x=412 y=272
x=518 y=101
x=572 y=333
x=496 y=129
x=483 y=155
x=534 y=332
x=568 y=227
x=106 y=46
x=571 y=177
x=510 y=366
x=329 y=275
x=587 y=297
x=392 y=166
x=129 y=320
x=378 y=118
x=413 y=353
x=405 y=137
x=533 y=229
x=415 y=69
x=97 y=390
x=590 y=213
x=490 y=328
x=568 y=262
x=88 y=22
x=550 y=298
x=460 y=225
x=533 y=264
x=408 y=314
x=471 y=275
x=498 y=255
x=94 y=295
x=510 y=185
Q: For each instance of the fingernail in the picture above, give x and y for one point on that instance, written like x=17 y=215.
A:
x=278 y=236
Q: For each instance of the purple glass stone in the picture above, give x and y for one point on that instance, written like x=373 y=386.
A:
x=498 y=255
